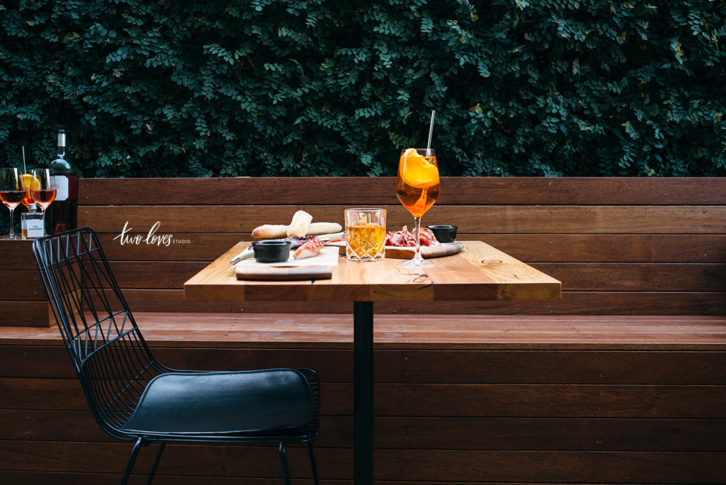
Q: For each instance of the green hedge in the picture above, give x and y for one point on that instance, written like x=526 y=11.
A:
x=230 y=87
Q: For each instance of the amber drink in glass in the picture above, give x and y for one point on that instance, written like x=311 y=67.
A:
x=365 y=234
x=417 y=188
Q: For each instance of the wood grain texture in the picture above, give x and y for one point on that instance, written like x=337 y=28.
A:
x=381 y=190
x=73 y=478
x=573 y=434
x=545 y=219
x=16 y=254
x=636 y=248
x=21 y=284
x=479 y=273
x=576 y=415
x=572 y=303
x=333 y=331
x=465 y=400
x=31 y=313
x=201 y=247
x=587 y=389
x=610 y=248
x=164 y=274
x=411 y=465
x=710 y=277
x=680 y=363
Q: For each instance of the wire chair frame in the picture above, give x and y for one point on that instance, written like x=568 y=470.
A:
x=112 y=360
x=109 y=353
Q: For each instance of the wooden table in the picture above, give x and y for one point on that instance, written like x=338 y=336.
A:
x=480 y=272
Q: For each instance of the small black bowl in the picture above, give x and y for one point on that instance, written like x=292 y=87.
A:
x=444 y=233
x=271 y=251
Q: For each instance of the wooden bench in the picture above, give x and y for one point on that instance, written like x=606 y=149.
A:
x=622 y=381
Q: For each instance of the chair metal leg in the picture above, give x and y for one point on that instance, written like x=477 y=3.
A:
x=283 y=462
x=312 y=463
x=132 y=460
x=156 y=463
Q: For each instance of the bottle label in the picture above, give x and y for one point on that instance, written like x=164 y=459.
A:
x=61 y=184
x=32 y=225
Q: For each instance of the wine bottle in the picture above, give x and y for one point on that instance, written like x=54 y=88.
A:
x=64 y=210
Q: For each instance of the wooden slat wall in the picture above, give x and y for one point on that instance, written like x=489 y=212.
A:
x=448 y=410
x=22 y=297
x=619 y=245
x=572 y=391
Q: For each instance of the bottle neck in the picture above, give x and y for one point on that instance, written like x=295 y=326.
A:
x=61 y=144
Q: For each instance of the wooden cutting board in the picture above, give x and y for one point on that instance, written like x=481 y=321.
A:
x=319 y=267
x=284 y=273
x=427 y=252
x=394 y=252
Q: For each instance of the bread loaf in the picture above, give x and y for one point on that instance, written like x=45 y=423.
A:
x=269 y=231
x=276 y=231
x=318 y=228
x=299 y=225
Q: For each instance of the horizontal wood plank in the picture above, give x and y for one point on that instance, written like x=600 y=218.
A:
x=572 y=303
x=381 y=190
x=636 y=248
x=478 y=400
x=610 y=248
x=404 y=366
x=638 y=276
x=21 y=284
x=16 y=254
x=201 y=247
x=470 y=219
x=411 y=465
x=692 y=277
x=32 y=313
x=164 y=274
x=553 y=434
x=74 y=478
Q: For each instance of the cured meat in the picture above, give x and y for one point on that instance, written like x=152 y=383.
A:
x=406 y=238
x=311 y=247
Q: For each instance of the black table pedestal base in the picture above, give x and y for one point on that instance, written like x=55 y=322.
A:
x=363 y=384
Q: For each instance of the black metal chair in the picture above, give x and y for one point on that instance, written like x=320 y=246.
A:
x=135 y=398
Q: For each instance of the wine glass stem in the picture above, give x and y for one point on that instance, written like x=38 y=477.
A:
x=417 y=227
x=11 y=235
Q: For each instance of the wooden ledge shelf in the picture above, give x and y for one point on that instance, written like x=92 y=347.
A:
x=417 y=331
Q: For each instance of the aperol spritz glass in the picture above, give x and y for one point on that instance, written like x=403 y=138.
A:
x=11 y=193
x=417 y=188
x=42 y=188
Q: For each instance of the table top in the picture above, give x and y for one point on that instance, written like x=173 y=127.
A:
x=480 y=272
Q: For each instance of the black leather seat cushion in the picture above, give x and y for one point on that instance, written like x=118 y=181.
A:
x=223 y=402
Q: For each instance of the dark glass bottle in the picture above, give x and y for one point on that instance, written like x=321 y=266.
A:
x=64 y=209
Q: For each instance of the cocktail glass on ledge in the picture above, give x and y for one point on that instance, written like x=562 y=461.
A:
x=42 y=188
x=11 y=194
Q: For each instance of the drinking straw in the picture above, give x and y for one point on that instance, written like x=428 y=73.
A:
x=24 y=169
x=431 y=130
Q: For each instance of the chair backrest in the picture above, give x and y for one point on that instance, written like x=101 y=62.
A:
x=108 y=351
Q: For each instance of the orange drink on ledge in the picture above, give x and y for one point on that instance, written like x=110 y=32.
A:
x=417 y=188
x=29 y=183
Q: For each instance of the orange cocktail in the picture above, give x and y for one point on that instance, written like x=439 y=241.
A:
x=417 y=188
